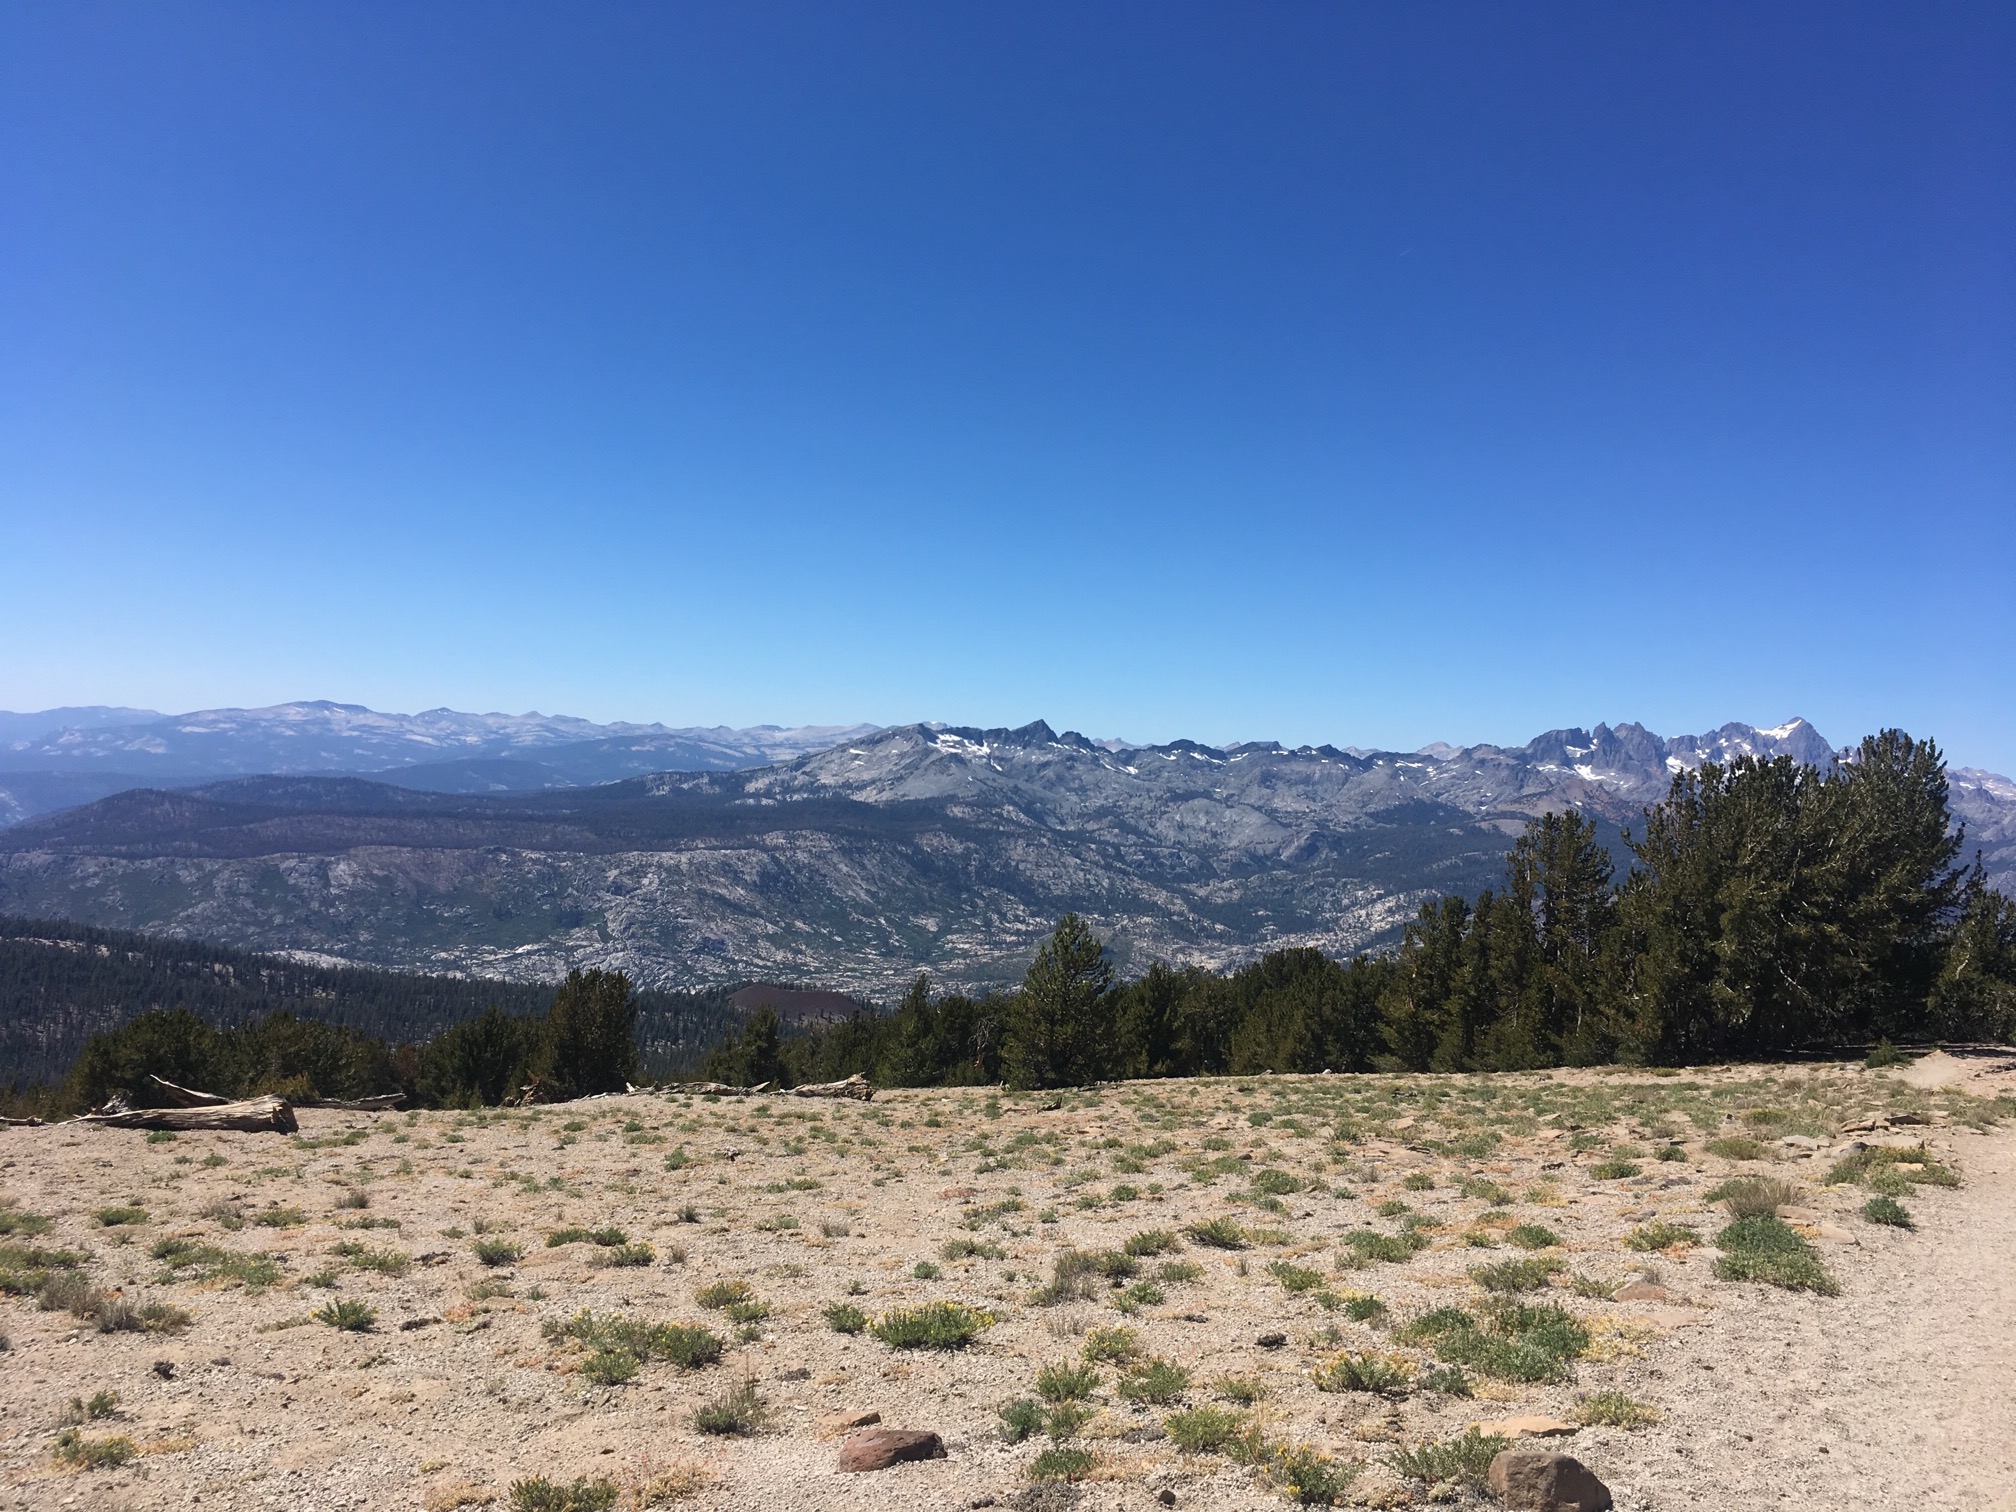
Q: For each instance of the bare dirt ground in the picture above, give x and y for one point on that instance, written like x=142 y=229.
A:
x=466 y=1388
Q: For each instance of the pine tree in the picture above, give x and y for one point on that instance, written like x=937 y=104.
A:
x=1060 y=1027
x=590 y=1043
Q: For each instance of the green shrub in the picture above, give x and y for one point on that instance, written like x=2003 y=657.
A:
x=1157 y=1381
x=1217 y=1233
x=385 y=1262
x=1241 y=1389
x=162 y=1318
x=1512 y=1341
x=1179 y=1272
x=1661 y=1236
x=936 y=1325
x=1874 y=1165
x=846 y=1318
x=720 y=1294
x=1276 y=1183
x=1021 y=1419
x=1376 y=1374
x=1738 y=1147
x=280 y=1217
x=185 y=1259
x=116 y=1217
x=1151 y=1242
x=498 y=1251
x=1060 y=1462
x=1762 y=1248
x=1204 y=1430
x=1515 y=1275
x=1532 y=1236
x=1485 y=1190
x=736 y=1413
x=1885 y=1055
x=966 y=1249
x=755 y=1310
x=684 y=1344
x=610 y=1367
x=538 y=1494
x=1614 y=1169
x=1066 y=1383
x=1613 y=1409
x=626 y=1255
x=1755 y=1196
x=1888 y=1211
x=1362 y=1307
x=72 y=1448
x=103 y=1404
x=15 y=1223
x=27 y=1268
x=1367 y=1245
x=1464 y=1459
x=1112 y=1346
x=1309 y=1478
x=1294 y=1278
x=1449 y=1380
x=347 y=1315
x=1065 y=1418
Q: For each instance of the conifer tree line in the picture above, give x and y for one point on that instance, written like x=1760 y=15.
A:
x=585 y=1042
x=1769 y=907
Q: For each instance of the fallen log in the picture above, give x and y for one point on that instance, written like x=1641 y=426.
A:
x=713 y=1089
x=253 y=1116
x=855 y=1086
x=187 y=1097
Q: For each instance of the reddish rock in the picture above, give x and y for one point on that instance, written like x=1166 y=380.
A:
x=879 y=1448
x=836 y=1423
x=1531 y=1480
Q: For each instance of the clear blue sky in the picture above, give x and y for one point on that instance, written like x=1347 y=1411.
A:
x=1353 y=372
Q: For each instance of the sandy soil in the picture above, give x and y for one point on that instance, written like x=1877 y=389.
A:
x=1894 y=1393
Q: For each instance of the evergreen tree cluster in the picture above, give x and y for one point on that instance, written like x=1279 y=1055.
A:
x=585 y=1042
x=1770 y=907
x=61 y=983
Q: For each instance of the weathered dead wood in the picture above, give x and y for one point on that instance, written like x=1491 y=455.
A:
x=254 y=1115
x=855 y=1086
x=713 y=1089
x=20 y=1123
x=187 y=1097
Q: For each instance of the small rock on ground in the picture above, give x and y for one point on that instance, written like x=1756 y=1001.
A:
x=879 y=1448
x=1532 y=1480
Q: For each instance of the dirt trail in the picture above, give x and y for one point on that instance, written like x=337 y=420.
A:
x=1900 y=1393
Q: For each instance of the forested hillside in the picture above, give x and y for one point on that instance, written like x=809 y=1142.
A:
x=1770 y=906
x=60 y=983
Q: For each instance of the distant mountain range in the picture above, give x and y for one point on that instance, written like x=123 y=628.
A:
x=848 y=867
x=63 y=757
